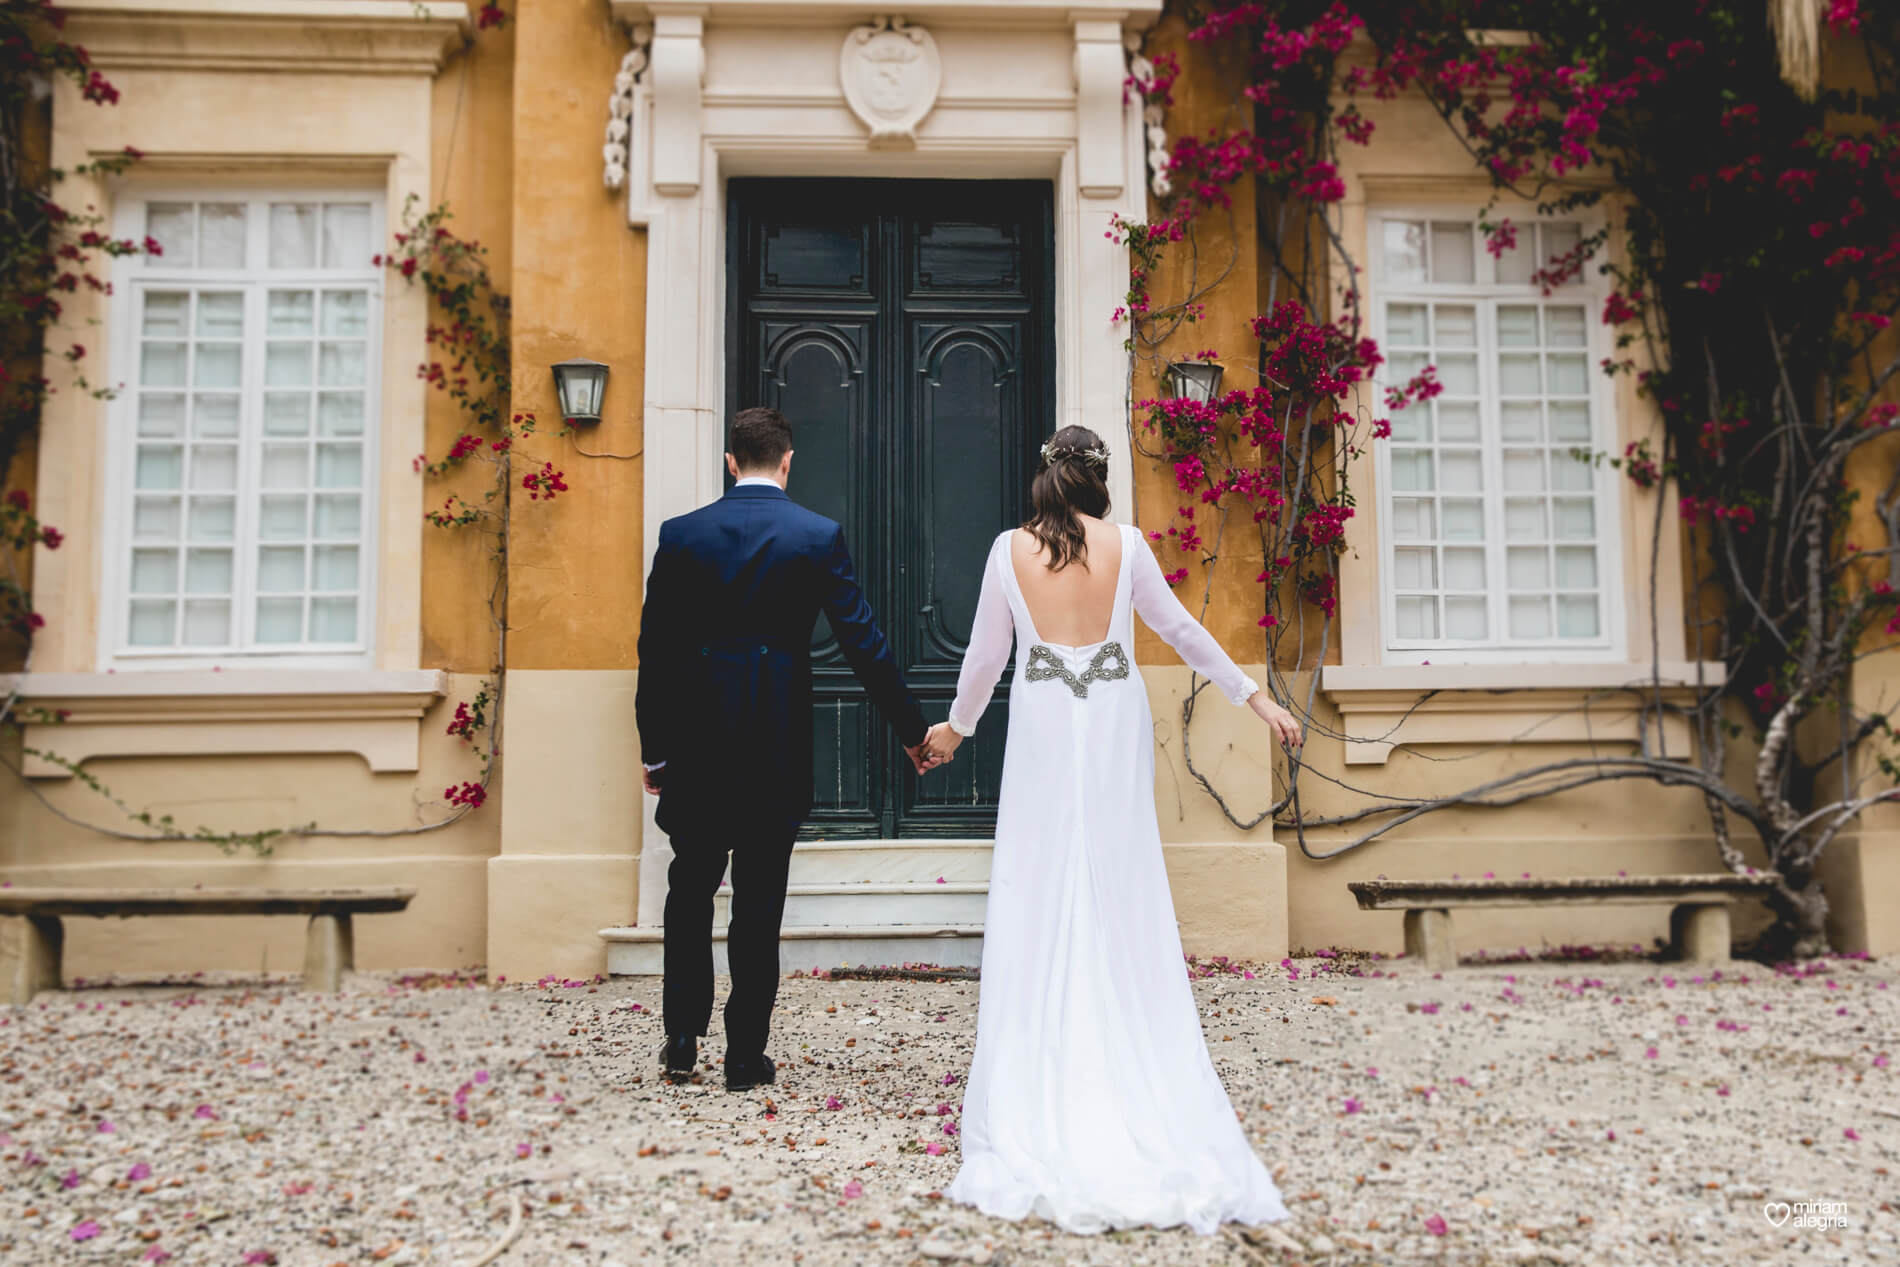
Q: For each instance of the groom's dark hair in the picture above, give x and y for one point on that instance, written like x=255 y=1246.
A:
x=760 y=438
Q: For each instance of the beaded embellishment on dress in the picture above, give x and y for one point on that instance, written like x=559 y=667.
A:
x=1044 y=665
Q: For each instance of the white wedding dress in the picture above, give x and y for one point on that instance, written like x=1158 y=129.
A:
x=1091 y=1100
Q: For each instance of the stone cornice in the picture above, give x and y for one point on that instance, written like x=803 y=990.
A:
x=361 y=37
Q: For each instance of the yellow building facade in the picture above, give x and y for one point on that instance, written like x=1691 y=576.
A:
x=251 y=625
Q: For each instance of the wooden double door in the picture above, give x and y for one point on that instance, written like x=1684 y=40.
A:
x=905 y=327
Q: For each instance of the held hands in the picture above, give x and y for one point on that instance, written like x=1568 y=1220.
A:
x=1285 y=727
x=922 y=758
x=941 y=743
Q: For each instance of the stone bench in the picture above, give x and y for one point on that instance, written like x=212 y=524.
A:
x=1698 y=922
x=32 y=937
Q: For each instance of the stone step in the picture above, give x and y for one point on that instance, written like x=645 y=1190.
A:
x=890 y=861
x=636 y=952
x=815 y=905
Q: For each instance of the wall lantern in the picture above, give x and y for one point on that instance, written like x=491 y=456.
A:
x=581 y=384
x=1194 y=380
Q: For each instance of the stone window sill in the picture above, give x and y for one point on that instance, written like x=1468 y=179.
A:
x=375 y=714
x=1383 y=707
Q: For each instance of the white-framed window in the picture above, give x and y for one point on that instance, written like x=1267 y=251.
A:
x=242 y=485
x=1498 y=536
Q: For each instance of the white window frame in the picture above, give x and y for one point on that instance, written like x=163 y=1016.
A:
x=1485 y=292
x=133 y=274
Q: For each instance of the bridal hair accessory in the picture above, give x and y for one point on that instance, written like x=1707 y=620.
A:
x=1096 y=457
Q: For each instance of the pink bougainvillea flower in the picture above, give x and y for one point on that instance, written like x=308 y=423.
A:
x=1351 y=1105
x=833 y=1102
x=934 y=1149
x=85 y=1231
x=1722 y=1090
x=138 y=1172
x=524 y=1150
x=1436 y=1225
x=156 y=1255
x=259 y=1258
x=205 y=1112
x=949 y=1128
x=950 y=1079
x=1650 y=1054
x=106 y=1128
x=853 y=1190
x=1850 y=1133
x=69 y=1180
x=1880 y=1061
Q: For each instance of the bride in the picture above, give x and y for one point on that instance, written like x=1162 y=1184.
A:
x=1091 y=1100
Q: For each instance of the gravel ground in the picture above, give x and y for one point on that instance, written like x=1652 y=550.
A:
x=1595 y=1112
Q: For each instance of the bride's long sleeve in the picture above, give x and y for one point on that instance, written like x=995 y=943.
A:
x=990 y=635
x=1163 y=613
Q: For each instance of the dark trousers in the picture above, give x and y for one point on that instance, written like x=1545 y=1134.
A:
x=759 y=870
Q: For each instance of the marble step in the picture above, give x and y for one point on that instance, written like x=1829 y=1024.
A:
x=890 y=861
x=870 y=902
x=636 y=952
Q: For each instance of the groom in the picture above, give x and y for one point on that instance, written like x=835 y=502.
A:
x=724 y=709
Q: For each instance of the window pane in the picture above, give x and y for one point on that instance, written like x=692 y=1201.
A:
x=279 y=620
x=1464 y=569
x=1405 y=325
x=341 y=413
x=1522 y=419
x=155 y=518
x=1463 y=520
x=165 y=312
x=1415 y=569
x=280 y=569
x=1417 y=617
x=1460 y=471
x=346 y=312
x=282 y=518
x=213 y=518
x=207 y=622
x=1576 y=518
x=1524 y=518
x=1411 y=426
x=208 y=572
x=1411 y=519
x=154 y=571
x=293 y=235
x=1569 y=475
x=152 y=622
x=1528 y=568
x=291 y=312
x=214 y=414
x=221 y=315
x=221 y=235
x=1404 y=251
x=1576 y=617
x=1565 y=325
x=173 y=226
x=162 y=365
x=342 y=365
x=335 y=568
x=286 y=466
x=287 y=365
x=1459 y=374
x=160 y=466
x=286 y=413
x=339 y=465
x=1411 y=470
x=1456 y=325
x=1567 y=374
x=339 y=518
x=161 y=415
x=1530 y=617
x=1524 y=470
x=333 y=620
x=1518 y=375
x=346 y=235
x=214 y=467
x=1576 y=567
x=1452 y=252
x=1465 y=619
x=217 y=365
x=1457 y=421
x=1569 y=422
x=1517 y=326
x=1560 y=238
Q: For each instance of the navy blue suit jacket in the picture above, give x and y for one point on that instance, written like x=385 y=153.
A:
x=724 y=694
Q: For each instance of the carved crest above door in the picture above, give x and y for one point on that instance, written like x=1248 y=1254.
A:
x=891 y=73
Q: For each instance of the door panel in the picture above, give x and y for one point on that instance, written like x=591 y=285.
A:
x=905 y=329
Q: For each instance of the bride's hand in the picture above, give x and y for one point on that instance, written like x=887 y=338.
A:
x=1285 y=726
x=941 y=743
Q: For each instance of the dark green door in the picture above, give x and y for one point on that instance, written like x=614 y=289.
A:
x=905 y=329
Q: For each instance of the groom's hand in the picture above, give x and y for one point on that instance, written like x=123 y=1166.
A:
x=652 y=779
x=922 y=759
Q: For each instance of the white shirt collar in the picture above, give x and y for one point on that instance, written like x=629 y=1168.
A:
x=756 y=479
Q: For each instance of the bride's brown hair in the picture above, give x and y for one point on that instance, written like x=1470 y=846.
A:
x=1072 y=481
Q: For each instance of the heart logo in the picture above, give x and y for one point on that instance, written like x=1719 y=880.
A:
x=1777 y=1212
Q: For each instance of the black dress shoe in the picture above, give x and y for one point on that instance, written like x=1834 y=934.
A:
x=678 y=1057
x=743 y=1072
